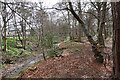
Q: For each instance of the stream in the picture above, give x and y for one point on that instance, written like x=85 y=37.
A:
x=15 y=69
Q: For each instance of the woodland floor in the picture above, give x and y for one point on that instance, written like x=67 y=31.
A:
x=75 y=64
x=20 y=62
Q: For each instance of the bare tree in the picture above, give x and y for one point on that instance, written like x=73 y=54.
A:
x=101 y=9
x=102 y=25
x=4 y=16
x=98 y=56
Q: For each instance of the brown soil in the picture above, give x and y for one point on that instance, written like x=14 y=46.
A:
x=72 y=65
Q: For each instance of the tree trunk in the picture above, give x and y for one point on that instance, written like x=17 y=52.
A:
x=117 y=52
x=100 y=36
x=42 y=41
x=39 y=36
x=24 y=36
x=4 y=36
x=69 y=26
x=17 y=30
x=79 y=27
x=97 y=55
x=23 y=26
x=102 y=25
x=105 y=33
x=4 y=27
x=116 y=38
x=0 y=39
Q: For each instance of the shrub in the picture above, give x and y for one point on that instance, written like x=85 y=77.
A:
x=48 y=40
x=52 y=52
x=29 y=47
x=11 y=43
x=2 y=65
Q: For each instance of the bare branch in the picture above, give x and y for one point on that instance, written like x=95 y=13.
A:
x=19 y=15
x=94 y=5
x=61 y=9
x=92 y=14
x=11 y=16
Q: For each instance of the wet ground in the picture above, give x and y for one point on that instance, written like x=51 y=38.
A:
x=0 y=62
x=21 y=64
x=14 y=69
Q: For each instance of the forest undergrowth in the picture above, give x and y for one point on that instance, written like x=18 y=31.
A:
x=78 y=62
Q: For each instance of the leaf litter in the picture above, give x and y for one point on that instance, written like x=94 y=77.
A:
x=72 y=65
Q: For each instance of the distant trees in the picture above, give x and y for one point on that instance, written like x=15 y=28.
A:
x=100 y=8
x=6 y=17
x=33 y=17
x=101 y=23
x=92 y=21
x=116 y=37
x=98 y=56
x=25 y=14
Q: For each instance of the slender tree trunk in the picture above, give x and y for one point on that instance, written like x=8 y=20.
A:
x=24 y=36
x=98 y=24
x=42 y=41
x=102 y=25
x=17 y=30
x=100 y=36
x=0 y=39
x=69 y=26
x=116 y=38
x=23 y=26
x=4 y=36
x=42 y=37
x=105 y=32
x=39 y=35
x=79 y=27
x=73 y=28
x=4 y=27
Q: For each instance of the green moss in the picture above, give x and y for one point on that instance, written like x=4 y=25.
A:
x=2 y=65
x=72 y=46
